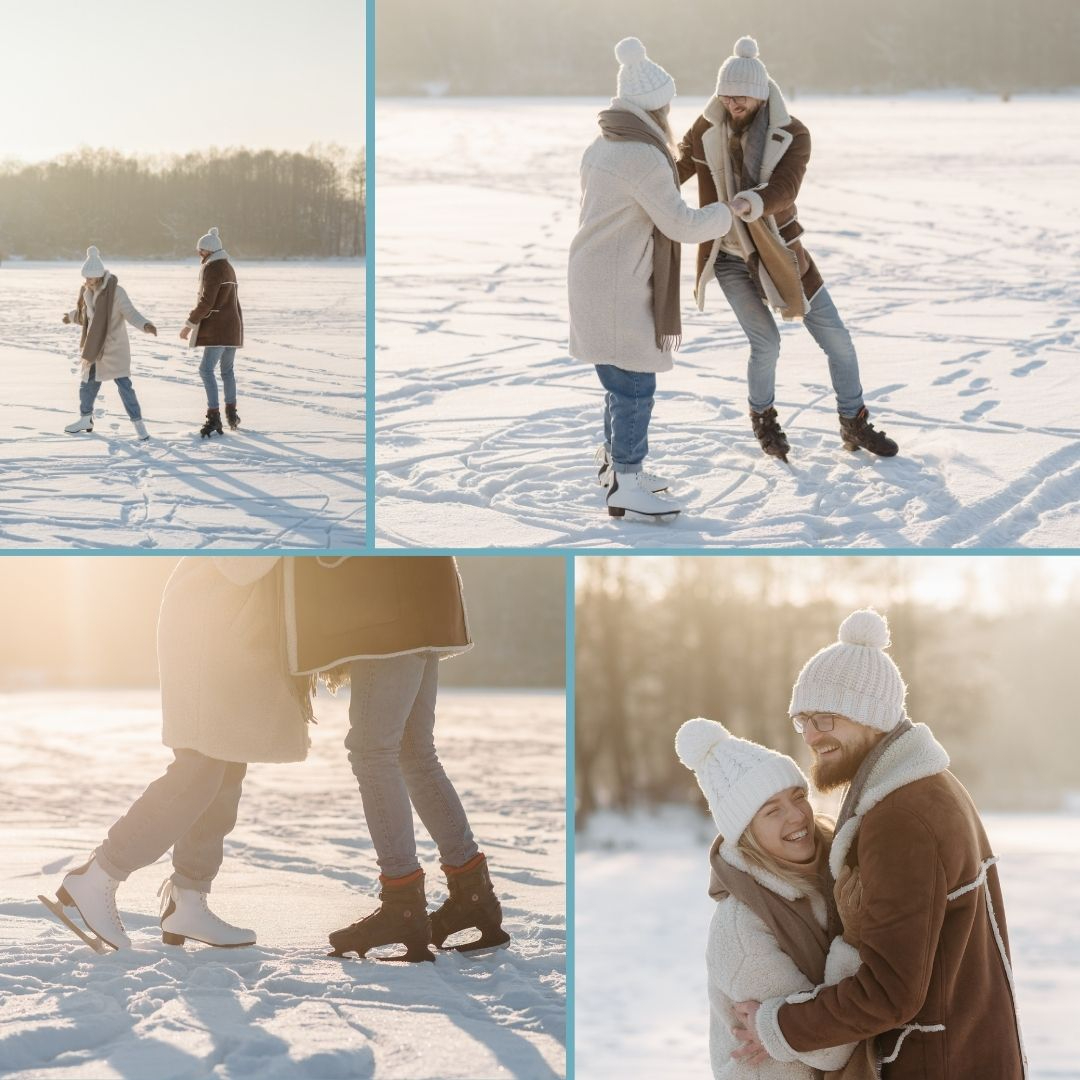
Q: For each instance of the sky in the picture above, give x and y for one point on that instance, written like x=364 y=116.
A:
x=150 y=77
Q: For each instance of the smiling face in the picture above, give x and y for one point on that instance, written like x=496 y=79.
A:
x=838 y=753
x=784 y=826
x=741 y=110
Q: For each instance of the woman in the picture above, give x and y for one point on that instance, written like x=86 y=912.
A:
x=100 y=311
x=383 y=624
x=768 y=936
x=227 y=700
x=217 y=324
x=623 y=277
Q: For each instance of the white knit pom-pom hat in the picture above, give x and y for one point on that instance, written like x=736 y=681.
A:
x=93 y=267
x=641 y=81
x=210 y=242
x=854 y=676
x=743 y=74
x=737 y=776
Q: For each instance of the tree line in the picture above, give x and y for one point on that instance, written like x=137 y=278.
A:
x=725 y=638
x=562 y=47
x=267 y=203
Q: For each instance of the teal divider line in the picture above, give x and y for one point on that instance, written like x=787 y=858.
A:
x=369 y=276
x=570 y=718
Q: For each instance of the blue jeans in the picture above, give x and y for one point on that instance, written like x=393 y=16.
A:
x=392 y=753
x=212 y=354
x=628 y=406
x=822 y=320
x=88 y=392
x=191 y=809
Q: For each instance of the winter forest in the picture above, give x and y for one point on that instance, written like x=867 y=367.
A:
x=986 y=651
x=548 y=49
x=272 y=203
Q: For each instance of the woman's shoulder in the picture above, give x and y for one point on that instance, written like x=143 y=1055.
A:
x=624 y=158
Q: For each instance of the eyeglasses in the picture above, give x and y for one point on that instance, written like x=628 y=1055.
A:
x=741 y=100
x=822 y=721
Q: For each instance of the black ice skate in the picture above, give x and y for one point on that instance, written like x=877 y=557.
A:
x=401 y=919
x=213 y=423
x=231 y=415
x=472 y=904
x=769 y=434
x=857 y=431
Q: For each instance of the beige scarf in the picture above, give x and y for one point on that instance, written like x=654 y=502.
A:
x=618 y=125
x=93 y=336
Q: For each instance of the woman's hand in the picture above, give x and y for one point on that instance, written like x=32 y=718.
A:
x=848 y=893
x=66 y=318
x=150 y=328
x=739 y=206
x=185 y=333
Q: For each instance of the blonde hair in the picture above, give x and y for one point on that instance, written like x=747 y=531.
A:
x=755 y=854
x=661 y=118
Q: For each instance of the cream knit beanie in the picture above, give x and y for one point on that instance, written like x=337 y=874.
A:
x=743 y=75
x=736 y=776
x=854 y=676
x=93 y=267
x=641 y=81
x=210 y=242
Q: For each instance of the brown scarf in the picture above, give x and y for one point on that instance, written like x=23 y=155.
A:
x=796 y=930
x=93 y=337
x=618 y=125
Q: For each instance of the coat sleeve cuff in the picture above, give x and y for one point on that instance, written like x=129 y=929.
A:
x=769 y=1033
x=842 y=962
x=757 y=204
x=190 y=325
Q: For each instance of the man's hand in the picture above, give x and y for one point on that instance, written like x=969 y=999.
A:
x=751 y=1052
x=740 y=207
x=150 y=328
x=185 y=333
x=848 y=893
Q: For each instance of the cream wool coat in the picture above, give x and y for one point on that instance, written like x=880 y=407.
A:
x=626 y=187
x=115 y=361
x=745 y=963
x=226 y=690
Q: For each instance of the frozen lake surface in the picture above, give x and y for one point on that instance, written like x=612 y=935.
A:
x=290 y=477
x=298 y=865
x=936 y=222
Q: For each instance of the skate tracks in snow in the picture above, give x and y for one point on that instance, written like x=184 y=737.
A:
x=959 y=287
x=298 y=865
x=291 y=477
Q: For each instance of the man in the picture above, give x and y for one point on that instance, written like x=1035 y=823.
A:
x=936 y=982
x=217 y=324
x=749 y=152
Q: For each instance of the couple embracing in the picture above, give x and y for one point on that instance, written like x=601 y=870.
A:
x=749 y=156
x=875 y=947
x=242 y=643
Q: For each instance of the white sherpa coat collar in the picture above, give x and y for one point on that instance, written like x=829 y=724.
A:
x=914 y=756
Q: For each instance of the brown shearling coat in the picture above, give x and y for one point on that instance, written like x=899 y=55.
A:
x=216 y=316
x=787 y=153
x=935 y=982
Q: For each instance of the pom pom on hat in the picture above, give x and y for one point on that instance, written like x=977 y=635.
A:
x=210 y=242
x=641 y=81
x=737 y=776
x=867 y=628
x=746 y=47
x=93 y=267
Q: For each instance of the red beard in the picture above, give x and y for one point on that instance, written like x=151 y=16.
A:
x=838 y=769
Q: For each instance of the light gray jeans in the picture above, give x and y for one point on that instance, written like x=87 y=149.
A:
x=192 y=808
x=391 y=748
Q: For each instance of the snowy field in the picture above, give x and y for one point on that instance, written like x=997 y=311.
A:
x=642 y=915
x=298 y=865
x=291 y=477
x=938 y=226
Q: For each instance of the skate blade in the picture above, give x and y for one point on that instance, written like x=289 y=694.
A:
x=99 y=945
x=637 y=515
x=487 y=941
x=410 y=956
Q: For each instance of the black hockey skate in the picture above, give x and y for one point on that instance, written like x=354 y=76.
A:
x=231 y=415
x=401 y=919
x=472 y=903
x=213 y=423
x=769 y=434
x=857 y=431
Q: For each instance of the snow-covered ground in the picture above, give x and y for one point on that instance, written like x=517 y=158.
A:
x=291 y=477
x=298 y=865
x=938 y=224
x=642 y=914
